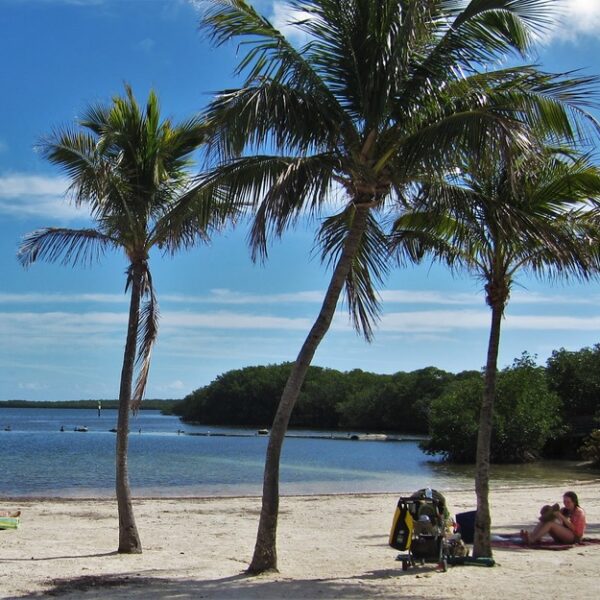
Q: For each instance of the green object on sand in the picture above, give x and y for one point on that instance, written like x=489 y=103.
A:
x=9 y=522
x=482 y=561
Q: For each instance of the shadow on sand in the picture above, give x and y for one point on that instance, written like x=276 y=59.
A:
x=237 y=586
x=76 y=556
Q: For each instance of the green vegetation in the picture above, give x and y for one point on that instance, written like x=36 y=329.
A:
x=165 y=406
x=526 y=415
x=591 y=448
x=329 y=399
x=532 y=415
x=575 y=376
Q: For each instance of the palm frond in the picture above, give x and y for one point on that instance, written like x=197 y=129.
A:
x=300 y=189
x=356 y=48
x=75 y=152
x=271 y=113
x=566 y=183
x=466 y=115
x=276 y=189
x=270 y=54
x=67 y=246
x=465 y=36
x=487 y=27
x=429 y=231
x=369 y=266
x=502 y=215
x=553 y=104
x=201 y=210
x=437 y=145
x=147 y=334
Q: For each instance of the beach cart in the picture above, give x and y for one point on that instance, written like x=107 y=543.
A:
x=419 y=529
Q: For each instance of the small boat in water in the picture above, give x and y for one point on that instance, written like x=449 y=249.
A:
x=263 y=432
x=8 y=428
x=84 y=429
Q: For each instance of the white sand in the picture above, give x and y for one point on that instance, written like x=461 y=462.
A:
x=329 y=547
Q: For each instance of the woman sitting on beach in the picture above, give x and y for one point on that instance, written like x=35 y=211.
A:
x=565 y=526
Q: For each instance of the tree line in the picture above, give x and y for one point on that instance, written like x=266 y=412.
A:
x=539 y=411
x=165 y=406
x=330 y=399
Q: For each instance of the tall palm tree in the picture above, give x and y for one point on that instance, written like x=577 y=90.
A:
x=130 y=168
x=379 y=92
x=497 y=218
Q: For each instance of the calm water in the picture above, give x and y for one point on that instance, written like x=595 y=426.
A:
x=40 y=460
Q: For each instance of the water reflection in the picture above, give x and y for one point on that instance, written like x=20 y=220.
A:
x=544 y=472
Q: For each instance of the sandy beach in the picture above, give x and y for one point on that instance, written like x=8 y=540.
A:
x=329 y=547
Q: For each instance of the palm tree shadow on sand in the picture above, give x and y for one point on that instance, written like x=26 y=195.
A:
x=235 y=586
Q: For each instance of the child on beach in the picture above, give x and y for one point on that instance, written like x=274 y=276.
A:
x=565 y=526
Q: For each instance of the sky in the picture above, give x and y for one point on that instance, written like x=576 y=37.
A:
x=62 y=329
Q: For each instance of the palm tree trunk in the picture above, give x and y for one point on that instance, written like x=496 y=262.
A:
x=265 y=550
x=482 y=545
x=129 y=539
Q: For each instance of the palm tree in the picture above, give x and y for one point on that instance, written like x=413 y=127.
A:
x=497 y=218
x=131 y=170
x=380 y=92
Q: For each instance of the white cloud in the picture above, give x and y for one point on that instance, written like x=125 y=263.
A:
x=283 y=17
x=32 y=386
x=231 y=297
x=37 y=298
x=170 y=10
x=520 y=297
x=25 y=195
x=146 y=45
x=67 y=326
x=576 y=18
x=173 y=386
x=433 y=321
x=445 y=321
x=553 y=323
x=63 y=325
x=226 y=296
x=230 y=320
x=59 y=325
x=18 y=185
x=428 y=297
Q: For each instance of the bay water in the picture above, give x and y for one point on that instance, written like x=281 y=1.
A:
x=171 y=458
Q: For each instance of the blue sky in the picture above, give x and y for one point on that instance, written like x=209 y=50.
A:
x=62 y=329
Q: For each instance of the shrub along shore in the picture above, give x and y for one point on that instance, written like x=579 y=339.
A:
x=541 y=411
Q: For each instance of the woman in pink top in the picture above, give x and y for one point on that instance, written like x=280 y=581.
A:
x=567 y=528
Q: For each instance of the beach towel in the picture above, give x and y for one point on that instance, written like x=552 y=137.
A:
x=516 y=543
x=9 y=522
x=10 y=519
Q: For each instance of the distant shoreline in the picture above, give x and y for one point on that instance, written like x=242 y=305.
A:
x=164 y=405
